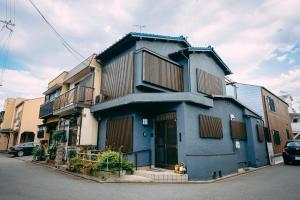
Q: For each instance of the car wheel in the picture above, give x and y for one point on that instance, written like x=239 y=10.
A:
x=20 y=153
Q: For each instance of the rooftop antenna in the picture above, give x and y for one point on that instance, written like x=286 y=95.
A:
x=140 y=27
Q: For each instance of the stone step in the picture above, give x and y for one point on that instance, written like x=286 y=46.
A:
x=162 y=175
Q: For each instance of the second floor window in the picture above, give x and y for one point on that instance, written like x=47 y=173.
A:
x=271 y=104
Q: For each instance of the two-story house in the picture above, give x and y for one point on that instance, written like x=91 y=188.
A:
x=273 y=109
x=67 y=104
x=26 y=121
x=7 y=133
x=164 y=102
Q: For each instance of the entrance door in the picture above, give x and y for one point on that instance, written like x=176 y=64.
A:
x=166 y=143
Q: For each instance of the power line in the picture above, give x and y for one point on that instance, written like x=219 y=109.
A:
x=64 y=42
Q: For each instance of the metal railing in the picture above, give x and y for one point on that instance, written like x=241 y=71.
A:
x=136 y=153
x=46 y=109
x=78 y=95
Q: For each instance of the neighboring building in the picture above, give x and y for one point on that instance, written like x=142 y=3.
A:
x=7 y=122
x=273 y=109
x=26 y=121
x=67 y=104
x=294 y=112
x=164 y=102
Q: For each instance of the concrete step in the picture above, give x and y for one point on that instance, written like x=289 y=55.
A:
x=162 y=175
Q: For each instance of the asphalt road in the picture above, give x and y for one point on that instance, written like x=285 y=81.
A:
x=26 y=181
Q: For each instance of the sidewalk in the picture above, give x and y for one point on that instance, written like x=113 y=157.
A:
x=141 y=179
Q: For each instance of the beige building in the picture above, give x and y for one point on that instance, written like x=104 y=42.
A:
x=7 y=122
x=67 y=104
x=27 y=120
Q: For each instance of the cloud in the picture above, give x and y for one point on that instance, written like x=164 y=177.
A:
x=282 y=58
x=249 y=36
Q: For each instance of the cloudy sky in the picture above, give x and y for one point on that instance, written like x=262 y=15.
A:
x=259 y=40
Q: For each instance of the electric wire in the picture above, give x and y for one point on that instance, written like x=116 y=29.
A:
x=64 y=42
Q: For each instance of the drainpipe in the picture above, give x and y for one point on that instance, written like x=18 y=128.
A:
x=189 y=80
x=98 y=130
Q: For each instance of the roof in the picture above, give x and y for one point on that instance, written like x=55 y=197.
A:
x=168 y=97
x=266 y=90
x=130 y=39
x=53 y=88
x=80 y=67
x=209 y=50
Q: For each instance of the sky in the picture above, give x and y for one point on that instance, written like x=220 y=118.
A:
x=258 y=40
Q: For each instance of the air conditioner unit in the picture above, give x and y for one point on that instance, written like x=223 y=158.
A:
x=97 y=100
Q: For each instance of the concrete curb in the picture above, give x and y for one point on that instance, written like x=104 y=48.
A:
x=150 y=182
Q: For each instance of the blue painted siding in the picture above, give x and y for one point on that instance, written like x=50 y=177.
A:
x=202 y=61
x=250 y=96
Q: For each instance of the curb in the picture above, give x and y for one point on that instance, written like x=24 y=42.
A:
x=86 y=177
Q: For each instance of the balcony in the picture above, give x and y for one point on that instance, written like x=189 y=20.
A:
x=46 y=110
x=78 y=97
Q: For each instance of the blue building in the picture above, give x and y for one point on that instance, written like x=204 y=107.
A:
x=165 y=102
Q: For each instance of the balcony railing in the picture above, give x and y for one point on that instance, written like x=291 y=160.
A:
x=46 y=109
x=78 y=96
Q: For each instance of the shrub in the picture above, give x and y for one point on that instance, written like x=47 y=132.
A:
x=57 y=135
x=109 y=160
x=76 y=165
x=72 y=154
x=89 y=167
x=52 y=151
x=38 y=153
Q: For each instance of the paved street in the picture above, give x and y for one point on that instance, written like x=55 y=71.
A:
x=24 y=180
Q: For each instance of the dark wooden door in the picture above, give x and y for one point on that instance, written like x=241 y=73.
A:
x=166 y=144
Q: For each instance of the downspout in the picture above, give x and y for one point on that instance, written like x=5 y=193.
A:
x=188 y=59
x=98 y=132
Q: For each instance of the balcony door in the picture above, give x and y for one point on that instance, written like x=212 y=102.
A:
x=166 y=155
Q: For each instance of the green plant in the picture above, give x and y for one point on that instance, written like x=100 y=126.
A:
x=110 y=161
x=57 y=135
x=36 y=151
x=72 y=154
x=52 y=151
x=76 y=165
x=89 y=167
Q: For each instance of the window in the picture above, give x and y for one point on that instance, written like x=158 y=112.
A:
x=238 y=130
x=288 y=134
x=119 y=133
x=267 y=134
x=260 y=132
x=271 y=104
x=210 y=127
x=161 y=72
x=295 y=120
x=276 y=138
x=208 y=83
x=293 y=144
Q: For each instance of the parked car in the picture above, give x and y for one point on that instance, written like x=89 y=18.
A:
x=22 y=149
x=291 y=152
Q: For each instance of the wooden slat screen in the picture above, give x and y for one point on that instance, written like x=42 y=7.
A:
x=166 y=116
x=117 y=77
x=119 y=132
x=260 y=133
x=208 y=83
x=210 y=127
x=162 y=73
x=238 y=130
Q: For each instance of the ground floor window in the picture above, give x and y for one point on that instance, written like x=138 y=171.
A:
x=276 y=137
x=119 y=133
